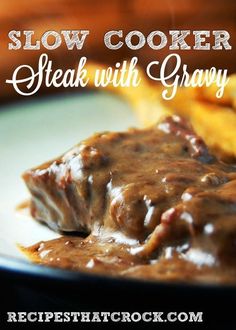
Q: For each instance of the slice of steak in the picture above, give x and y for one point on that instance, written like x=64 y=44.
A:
x=158 y=185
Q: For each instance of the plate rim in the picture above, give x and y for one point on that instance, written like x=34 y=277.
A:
x=24 y=269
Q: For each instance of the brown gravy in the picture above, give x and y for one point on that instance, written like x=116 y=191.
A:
x=109 y=258
x=154 y=204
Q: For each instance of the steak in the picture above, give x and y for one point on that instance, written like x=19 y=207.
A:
x=159 y=186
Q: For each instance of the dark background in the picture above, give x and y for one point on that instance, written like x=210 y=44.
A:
x=104 y=15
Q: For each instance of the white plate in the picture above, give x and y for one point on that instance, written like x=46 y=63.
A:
x=33 y=132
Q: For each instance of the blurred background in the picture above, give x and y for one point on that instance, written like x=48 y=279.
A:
x=104 y=15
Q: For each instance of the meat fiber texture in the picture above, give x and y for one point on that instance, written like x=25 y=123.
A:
x=159 y=186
